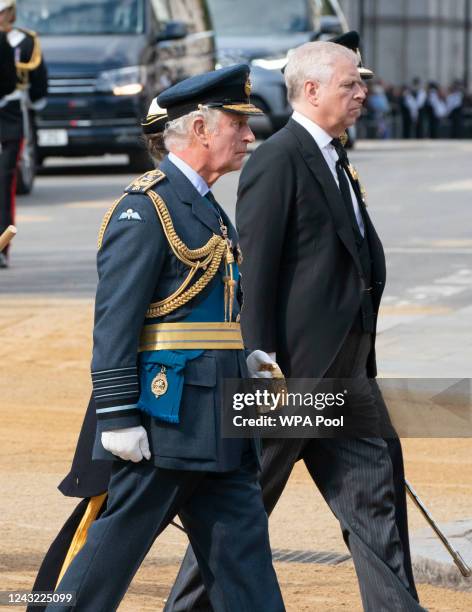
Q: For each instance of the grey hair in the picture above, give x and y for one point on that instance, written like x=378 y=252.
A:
x=313 y=61
x=177 y=132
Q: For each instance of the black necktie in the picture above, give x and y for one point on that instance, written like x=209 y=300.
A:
x=342 y=167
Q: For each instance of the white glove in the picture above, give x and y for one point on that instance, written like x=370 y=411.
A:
x=130 y=444
x=254 y=362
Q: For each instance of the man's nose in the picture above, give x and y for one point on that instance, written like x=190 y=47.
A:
x=248 y=134
x=361 y=92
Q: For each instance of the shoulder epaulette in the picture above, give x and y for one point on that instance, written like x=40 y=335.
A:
x=144 y=182
x=140 y=185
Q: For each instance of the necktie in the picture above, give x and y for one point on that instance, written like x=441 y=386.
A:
x=342 y=168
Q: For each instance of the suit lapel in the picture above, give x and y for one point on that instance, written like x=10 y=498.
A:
x=189 y=195
x=317 y=165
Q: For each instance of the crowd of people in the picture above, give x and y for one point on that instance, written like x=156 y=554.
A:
x=418 y=110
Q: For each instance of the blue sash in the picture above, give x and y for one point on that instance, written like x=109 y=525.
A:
x=172 y=363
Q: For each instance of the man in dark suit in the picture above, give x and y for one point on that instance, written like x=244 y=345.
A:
x=313 y=278
x=166 y=332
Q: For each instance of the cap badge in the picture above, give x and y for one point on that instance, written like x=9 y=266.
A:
x=247 y=87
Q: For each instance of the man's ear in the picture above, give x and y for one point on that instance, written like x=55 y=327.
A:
x=200 y=131
x=311 y=90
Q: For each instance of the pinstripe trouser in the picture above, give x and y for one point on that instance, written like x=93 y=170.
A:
x=362 y=481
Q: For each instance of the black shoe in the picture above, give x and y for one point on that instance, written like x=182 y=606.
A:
x=3 y=260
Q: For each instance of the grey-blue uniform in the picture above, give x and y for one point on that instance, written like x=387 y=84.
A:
x=166 y=334
x=134 y=242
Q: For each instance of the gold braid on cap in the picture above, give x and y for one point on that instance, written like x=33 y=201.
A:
x=150 y=119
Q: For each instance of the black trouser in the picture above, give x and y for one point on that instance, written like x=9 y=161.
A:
x=362 y=480
x=8 y=161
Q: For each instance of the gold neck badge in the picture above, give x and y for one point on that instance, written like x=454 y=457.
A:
x=355 y=175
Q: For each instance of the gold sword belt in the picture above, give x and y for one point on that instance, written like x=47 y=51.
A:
x=173 y=336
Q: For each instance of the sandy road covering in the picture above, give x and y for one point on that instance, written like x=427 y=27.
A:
x=44 y=386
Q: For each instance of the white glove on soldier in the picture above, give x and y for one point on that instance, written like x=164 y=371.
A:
x=254 y=362
x=130 y=444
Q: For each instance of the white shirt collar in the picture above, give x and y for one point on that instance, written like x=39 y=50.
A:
x=321 y=137
x=197 y=181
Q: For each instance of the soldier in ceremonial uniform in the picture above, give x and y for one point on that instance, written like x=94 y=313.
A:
x=166 y=333
x=7 y=66
x=15 y=108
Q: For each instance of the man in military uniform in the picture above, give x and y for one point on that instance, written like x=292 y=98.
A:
x=166 y=333
x=15 y=108
x=7 y=66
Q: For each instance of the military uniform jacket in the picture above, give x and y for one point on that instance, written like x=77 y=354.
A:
x=7 y=67
x=31 y=74
x=304 y=280
x=136 y=267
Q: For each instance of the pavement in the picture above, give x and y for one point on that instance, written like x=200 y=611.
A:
x=433 y=563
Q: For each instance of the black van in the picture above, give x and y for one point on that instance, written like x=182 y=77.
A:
x=106 y=60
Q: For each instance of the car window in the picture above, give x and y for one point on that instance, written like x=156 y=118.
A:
x=261 y=18
x=64 y=17
x=191 y=12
